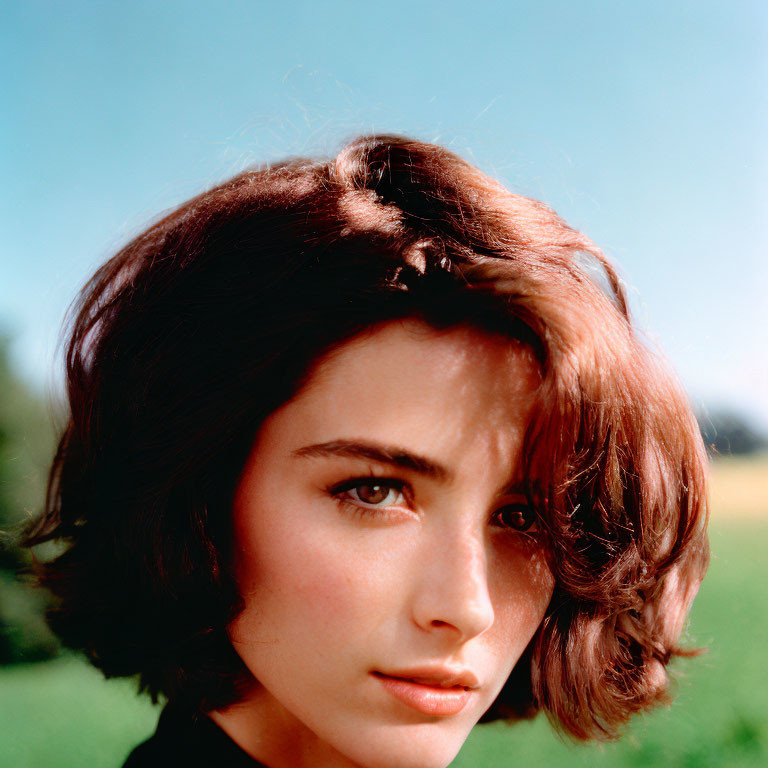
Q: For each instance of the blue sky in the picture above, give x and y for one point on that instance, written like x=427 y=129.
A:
x=643 y=124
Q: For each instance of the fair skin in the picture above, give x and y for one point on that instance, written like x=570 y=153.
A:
x=391 y=569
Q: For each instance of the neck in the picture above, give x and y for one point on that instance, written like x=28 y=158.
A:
x=272 y=735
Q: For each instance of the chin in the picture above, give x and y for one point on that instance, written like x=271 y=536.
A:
x=428 y=745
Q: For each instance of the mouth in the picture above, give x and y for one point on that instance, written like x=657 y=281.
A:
x=434 y=694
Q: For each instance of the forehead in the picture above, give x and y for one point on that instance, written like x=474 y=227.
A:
x=405 y=352
x=447 y=392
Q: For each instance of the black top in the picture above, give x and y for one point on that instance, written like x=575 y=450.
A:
x=192 y=741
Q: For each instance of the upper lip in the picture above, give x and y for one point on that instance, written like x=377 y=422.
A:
x=439 y=677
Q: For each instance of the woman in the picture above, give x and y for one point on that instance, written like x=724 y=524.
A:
x=361 y=453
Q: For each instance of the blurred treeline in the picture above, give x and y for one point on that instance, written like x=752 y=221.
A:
x=27 y=443
x=726 y=433
x=26 y=448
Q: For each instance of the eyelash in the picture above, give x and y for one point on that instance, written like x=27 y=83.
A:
x=359 y=507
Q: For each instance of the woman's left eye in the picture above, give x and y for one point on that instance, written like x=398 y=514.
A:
x=517 y=517
x=370 y=493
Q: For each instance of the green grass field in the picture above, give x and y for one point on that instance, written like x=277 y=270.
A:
x=63 y=715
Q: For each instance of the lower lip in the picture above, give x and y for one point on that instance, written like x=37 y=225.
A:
x=428 y=699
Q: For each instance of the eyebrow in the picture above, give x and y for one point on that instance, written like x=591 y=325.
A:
x=382 y=454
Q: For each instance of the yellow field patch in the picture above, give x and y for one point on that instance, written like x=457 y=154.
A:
x=739 y=487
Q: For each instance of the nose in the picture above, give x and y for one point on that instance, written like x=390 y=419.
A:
x=452 y=593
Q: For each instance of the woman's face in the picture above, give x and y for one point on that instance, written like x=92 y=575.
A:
x=390 y=578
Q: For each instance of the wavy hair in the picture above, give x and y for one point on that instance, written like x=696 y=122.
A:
x=187 y=339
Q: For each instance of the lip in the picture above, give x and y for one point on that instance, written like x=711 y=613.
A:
x=437 y=691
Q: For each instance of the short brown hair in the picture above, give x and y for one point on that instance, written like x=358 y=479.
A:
x=186 y=340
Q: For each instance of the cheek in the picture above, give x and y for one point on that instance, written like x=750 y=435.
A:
x=301 y=583
x=521 y=596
